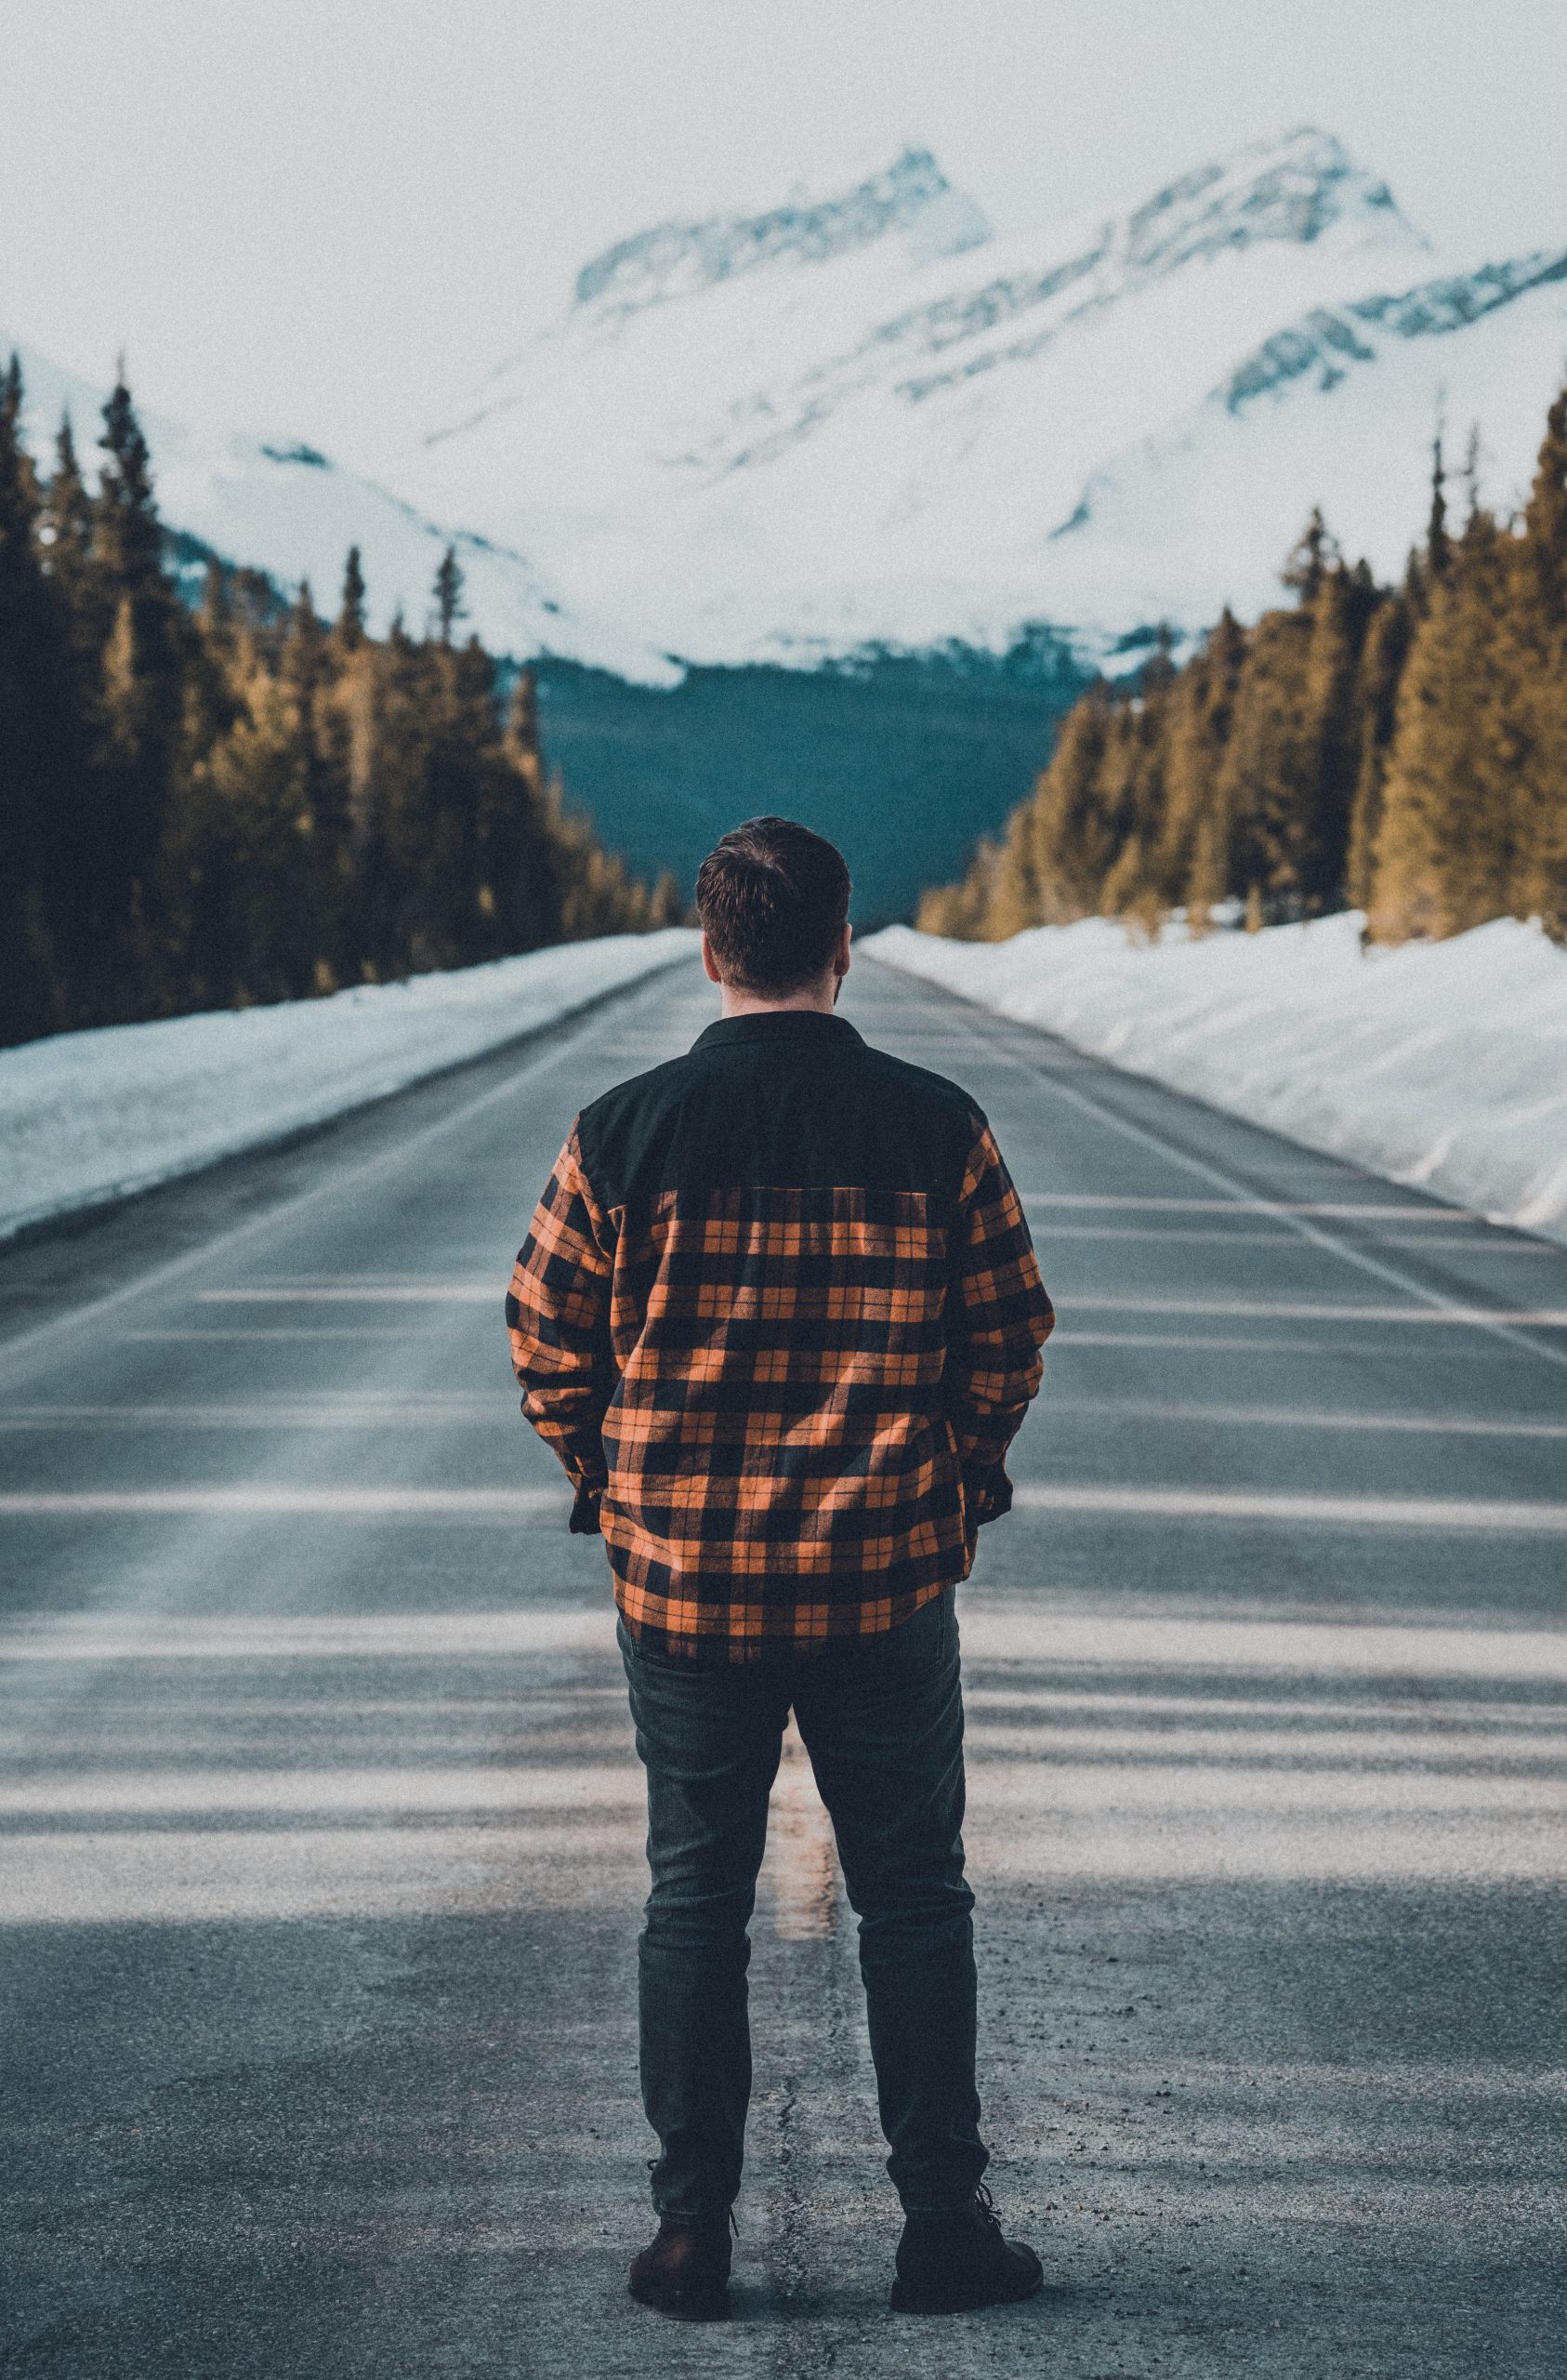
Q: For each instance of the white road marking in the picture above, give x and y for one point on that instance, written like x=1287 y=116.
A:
x=1336 y=1211
x=1256 y=1309
x=1346 y=1647
x=1314 y=1310
x=377 y=1502
x=372 y=1502
x=281 y=1792
x=1066 y=1343
x=365 y=1293
x=1050 y=1233
x=1197 y=1844
x=204 y=1875
x=1351 y=1711
x=1249 y=1503
x=416 y=1635
x=1295 y=1417
x=991 y=1636
x=355 y=1411
x=1104 y=1822
x=245 y=1335
x=1251 y=1791
x=1174 y=1741
x=1351 y=1767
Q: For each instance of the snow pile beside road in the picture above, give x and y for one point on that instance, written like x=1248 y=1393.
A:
x=90 y=1117
x=1442 y=1066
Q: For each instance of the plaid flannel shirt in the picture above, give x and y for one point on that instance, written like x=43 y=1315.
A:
x=778 y=1314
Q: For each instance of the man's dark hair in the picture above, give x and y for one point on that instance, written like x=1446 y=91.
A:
x=772 y=898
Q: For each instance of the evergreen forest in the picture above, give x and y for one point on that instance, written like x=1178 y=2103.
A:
x=204 y=809
x=1401 y=750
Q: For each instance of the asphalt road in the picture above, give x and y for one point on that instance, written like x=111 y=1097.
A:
x=320 y=1824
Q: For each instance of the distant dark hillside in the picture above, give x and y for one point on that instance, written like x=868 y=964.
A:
x=905 y=760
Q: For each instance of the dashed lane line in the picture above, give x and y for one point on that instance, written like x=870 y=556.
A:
x=376 y=1502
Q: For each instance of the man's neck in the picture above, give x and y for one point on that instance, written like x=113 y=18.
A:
x=816 y=998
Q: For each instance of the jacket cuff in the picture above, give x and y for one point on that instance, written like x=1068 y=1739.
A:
x=987 y=1493
x=585 y=1512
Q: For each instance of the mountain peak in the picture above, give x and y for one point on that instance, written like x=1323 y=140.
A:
x=860 y=444
x=1294 y=188
x=912 y=195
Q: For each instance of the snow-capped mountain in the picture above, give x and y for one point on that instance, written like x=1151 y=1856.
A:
x=860 y=417
x=284 y=508
x=1336 y=408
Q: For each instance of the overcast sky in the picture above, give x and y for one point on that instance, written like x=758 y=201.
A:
x=325 y=216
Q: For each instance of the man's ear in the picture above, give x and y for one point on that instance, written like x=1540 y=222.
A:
x=709 y=962
x=841 y=962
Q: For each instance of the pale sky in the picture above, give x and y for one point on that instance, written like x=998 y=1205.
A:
x=325 y=218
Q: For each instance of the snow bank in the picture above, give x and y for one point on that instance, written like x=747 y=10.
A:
x=90 y=1117
x=1440 y=1064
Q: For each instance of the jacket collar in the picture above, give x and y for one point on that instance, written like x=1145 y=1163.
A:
x=805 y=1025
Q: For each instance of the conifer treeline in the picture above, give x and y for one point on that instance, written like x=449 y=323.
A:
x=1401 y=751
x=247 y=804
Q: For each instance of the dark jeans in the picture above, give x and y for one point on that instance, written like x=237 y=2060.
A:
x=882 y=1719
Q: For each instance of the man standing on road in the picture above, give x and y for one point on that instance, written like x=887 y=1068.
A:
x=779 y=1316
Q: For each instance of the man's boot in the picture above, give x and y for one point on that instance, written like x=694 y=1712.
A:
x=950 y=2264
x=684 y=2271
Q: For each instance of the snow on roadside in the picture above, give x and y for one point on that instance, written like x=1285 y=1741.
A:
x=1442 y=1066
x=88 y=1117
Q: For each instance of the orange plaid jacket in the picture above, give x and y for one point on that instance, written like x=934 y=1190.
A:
x=778 y=1314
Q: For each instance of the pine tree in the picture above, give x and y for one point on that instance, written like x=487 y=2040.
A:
x=1439 y=545
x=1315 y=553
x=394 y=842
x=1383 y=656
x=1470 y=473
x=66 y=536
x=128 y=538
x=449 y=605
x=1535 y=633
x=958 y=911
x=1331 y=658
x=524 y=863
x=30 y=717
x=459 y=901
x=74 y=825
x=1207 y=873
x=1012 y=891
x=1134 y=795
x=24 y=607
x=1192 y=859
x=1075 y=835
x=350 y=614
x=523 y=730
x=1443 y=856
x=307 y=672
x=142 y=703
x=664 y=905
x=1268 y=783
x=1545 y=519
x=22 y=478
x=257 y=776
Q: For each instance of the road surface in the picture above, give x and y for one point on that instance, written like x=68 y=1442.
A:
x=320 y=1824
